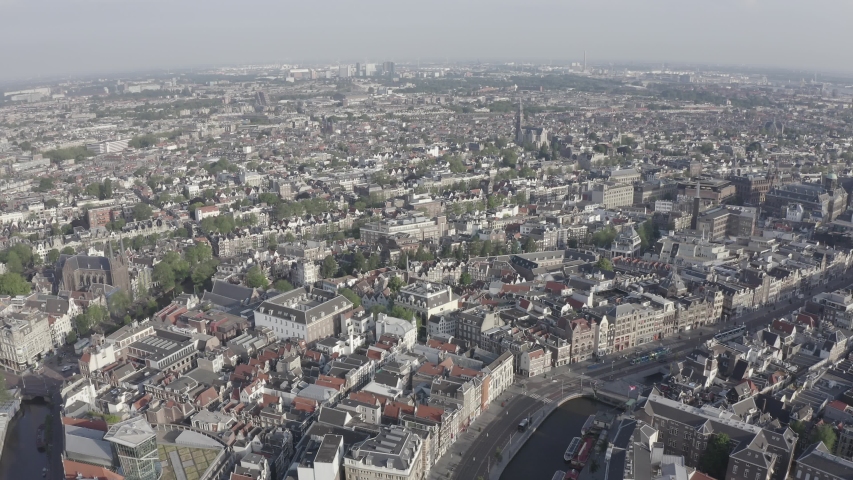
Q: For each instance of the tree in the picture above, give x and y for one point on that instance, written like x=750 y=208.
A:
x=142 y=211
x=395 y=284
x=4 y=392
x=283 y=286
x=71 y=338
x=14 y=263
x=400 y=311
x=715 y=460
x=164 y=275
x=358 y=261
x=604 y=264
x=329 y=267
x=826 y=434
x=465 y=279
x=352 y=297
x=373 y=262
x=604 y=237
x=67 y=251
x=255 y=278
x=119 y=303
x=52 y=256
x=106 y=190
x=45 y=185
x=13 y=284
x=593 y=466
x=530 y=245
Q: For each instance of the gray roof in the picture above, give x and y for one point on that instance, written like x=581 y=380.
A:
x=130 y=432
x=304 y=305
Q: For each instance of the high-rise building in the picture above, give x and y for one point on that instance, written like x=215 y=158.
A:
x=135 y=445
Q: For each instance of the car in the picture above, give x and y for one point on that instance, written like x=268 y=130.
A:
x=67 y=368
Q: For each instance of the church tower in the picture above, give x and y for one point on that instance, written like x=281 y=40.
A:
x=519 y=116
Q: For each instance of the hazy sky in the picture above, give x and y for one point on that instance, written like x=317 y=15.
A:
x=39 y=37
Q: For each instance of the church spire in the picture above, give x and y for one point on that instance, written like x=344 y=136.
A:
x=519 y=117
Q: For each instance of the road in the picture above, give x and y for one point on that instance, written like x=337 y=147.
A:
x=530 y=395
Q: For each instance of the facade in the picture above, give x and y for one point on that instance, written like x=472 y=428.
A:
x=612 y=195
x=427 y=299
x=685 y=430
x=307 y=314
x=534 y=362
x=135 y=445
x=406 y=330
x=823 y=202
x=627 y=243
x=23 y=338
x=818 y=463
x=415 y=226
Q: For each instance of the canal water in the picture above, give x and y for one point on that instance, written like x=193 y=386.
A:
x=21 y=459
x=542 y=455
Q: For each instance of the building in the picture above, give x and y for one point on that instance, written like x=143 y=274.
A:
x=818 y=463
x=612 y=195
x=726 y=221
x=322 y=459
x=536 y=136
x=308 y=314
x=627 y=243
x=404 y=329
x=165 y=350
x=751 y=189
x=534 y=362
x=757 y=453
x=395 y=453
x=109 y=146
x=306 y=272
x=79 y=272
x=135 y=445
x=415 y=226
x=427 y=299
x=24 y=337
x=99 y=217
x=824 y=203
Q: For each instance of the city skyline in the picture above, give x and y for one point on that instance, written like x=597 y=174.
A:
x=98 y=37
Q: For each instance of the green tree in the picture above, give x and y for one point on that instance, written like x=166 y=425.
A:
x=13 y=284
x=106 y=189
x=14 y=263
x=142 y=211
x=282 y=286
x=395 y=284
x=358 y=261
x=603 y=237
x=255 y=278
x=530 y=245
x=604 y=264
x=465 y=279
x=119 y=303
x=826 y=434
x=45 y=185
x=71 y=338
x=52 y=256
x=67 y=251
x=715 y=460
x=164 y=275
x=351 y=296
x=329 y=267
x=373 y=261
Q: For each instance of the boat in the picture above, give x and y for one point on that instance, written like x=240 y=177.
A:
x=558 y=475
x=572 y=475
x=587 y=426
x=572 y=450
x=40 y=442
x=583 y=454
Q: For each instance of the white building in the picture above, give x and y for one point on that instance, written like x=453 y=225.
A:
x=406 y=330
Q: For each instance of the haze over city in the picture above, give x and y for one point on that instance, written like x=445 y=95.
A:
x=56 y=37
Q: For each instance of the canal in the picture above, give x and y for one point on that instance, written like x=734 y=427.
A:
x=542 y=455
x=20 y=457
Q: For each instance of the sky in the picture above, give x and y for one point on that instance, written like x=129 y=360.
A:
x=80 y=37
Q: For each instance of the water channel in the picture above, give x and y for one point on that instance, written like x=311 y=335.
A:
x=542 y=455
x=21 y=459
